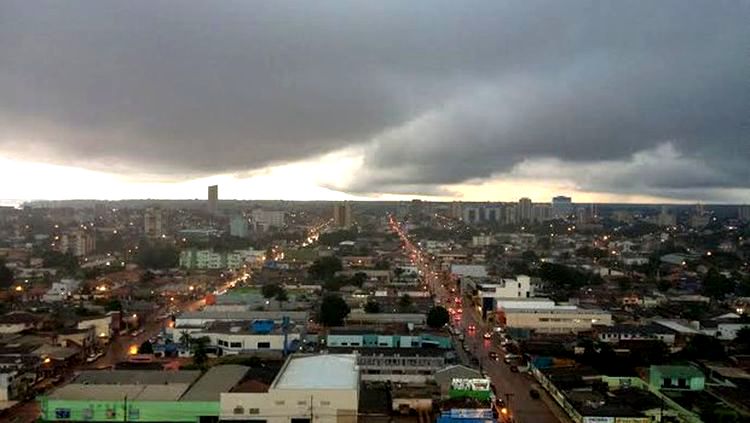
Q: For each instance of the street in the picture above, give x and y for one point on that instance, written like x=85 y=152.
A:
x=511 y=386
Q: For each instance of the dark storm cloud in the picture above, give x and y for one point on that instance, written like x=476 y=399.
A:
x=436 y=92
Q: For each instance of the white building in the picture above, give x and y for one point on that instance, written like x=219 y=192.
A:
x=482 y=240
x=319 y=388
x=472 y=270
x=153 y=222
x=544 y=316
x=210 y=259
x=238 y=337
x=61 y=290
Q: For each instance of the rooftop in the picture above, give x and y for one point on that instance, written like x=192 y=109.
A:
x=327 y=371
x=135 y=377
x=217 y=380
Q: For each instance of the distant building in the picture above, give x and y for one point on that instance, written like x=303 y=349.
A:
x=238 y=226
x=525 y=210
x=265 y=219
x=78 y=243
x=541 y=212
x=456 y=210
x=209 y=259
x=544 y=316
x=665 y=218
x=743 y=213
x=482 y=214
x=153 y=222
x=562 y=206
x=213 y=199
x=342 y=215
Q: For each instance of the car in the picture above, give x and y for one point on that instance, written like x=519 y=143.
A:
x=514 y=368
x=487 y=335
x=472 y=328
x=533 y=393
x=492 y=355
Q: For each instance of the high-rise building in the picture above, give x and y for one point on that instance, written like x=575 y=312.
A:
x=743 y=213
x=456 y=211
x=525 y=210
x=153 y=222
x=562 y=206
x=213 y=199
x=238 y=226
x=342 y=215
x=665 y=218
x=78 y=243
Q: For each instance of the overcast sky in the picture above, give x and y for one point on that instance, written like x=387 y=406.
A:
x=475 y=100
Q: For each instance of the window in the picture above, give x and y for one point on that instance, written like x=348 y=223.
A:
x=344 y=344
x=239 y=410
x=253 y=411
x=282 y=402
x=236 y=345
x=355 y=344
x=325 y=403
x=301 y=402
x=62 y=413
x=264 y=345
x=299 y=420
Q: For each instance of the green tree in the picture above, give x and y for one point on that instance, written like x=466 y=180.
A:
x=405 y=303
x=157 y=256
x=185 y=339
x=398 y=272
x=6 y=275
x=358 y=279
x=281 y=296
x=716 y=285
x=742 y=341
x=372 y=306
x=704 y=347
x=200 y=354
x=333 y=310
x=146 y=348
x=113 y=305
x=270 y=290
x=325 y=268
x=437 y=317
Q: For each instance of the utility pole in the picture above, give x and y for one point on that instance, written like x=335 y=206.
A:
x=125 y=410
x=312 y=416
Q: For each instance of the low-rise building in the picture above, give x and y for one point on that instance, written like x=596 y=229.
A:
x=552 y=318
x=142 y=395
x=233 y=338
x=320 y=387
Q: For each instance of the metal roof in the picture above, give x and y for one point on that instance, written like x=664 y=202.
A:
x=217 y=380
x=327 y=371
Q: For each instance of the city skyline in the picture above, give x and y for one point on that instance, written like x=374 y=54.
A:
x=626 y=103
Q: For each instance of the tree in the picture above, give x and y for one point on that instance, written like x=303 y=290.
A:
x=200 y=354
x=704 y=347
x=325 y=268
x=742 y=341
x=382 y=265
x=113 y=305
x=405 y=303
x=333 y=310
x=372 y=306
x=398 y=272
x=157 y=256
x=270 y=290
x=6 y=276
x=146 y=348
x=437 y=317
x=358 y=279
x=716 y=285
x=281 y=296
x=185 y=338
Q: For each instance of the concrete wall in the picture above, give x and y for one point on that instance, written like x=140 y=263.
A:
x=279 y=406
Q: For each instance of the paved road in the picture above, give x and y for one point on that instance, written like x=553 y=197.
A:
x=513 y=387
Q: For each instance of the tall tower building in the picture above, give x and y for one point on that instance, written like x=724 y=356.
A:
x=213 y=199
x=342 y=215
x=743 y=213
x=456 y=211
x=153 y=222
x=525 y=210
